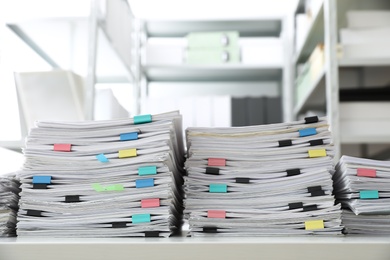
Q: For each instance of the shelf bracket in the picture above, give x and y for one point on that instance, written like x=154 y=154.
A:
x=26 y=39
x=332 y=75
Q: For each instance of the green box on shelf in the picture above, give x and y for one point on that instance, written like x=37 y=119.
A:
x=302 y=85
x=206 y=40
x=213 y=56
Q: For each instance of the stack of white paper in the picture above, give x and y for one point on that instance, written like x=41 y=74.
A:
x=360 y=19
x=9 y=190
x=363 y=187
x=366 y=35
x=103 y=178
x=261 y=180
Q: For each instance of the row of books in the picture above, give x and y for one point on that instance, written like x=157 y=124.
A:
x=124 y=178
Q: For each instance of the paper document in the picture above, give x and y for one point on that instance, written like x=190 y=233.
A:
x=112 y=178
x=264 y=180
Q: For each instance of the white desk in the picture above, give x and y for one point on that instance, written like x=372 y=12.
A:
x=196 y=248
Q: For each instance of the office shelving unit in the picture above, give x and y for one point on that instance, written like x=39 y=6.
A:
x=315 y=35
x=108 y=21
x=115 y=20
x=251 y=27
x=373 y=135
x=323 y=91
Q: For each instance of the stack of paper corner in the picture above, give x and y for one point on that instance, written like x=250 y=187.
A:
x=114 y=178
x=9 y=198
x=367 y=34
x=363 y=188
x=261 y=180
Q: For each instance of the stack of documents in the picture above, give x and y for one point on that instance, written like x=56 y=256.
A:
x=261 y=180
x=114 y=178
x=367 y=34
x=9 y=198
x=363 y=187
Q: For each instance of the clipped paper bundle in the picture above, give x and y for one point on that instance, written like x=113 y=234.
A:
x=115 y=178
x=261 y=180
x=9 y=198
x=363 y=188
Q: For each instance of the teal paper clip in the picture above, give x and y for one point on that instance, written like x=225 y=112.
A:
x=147 y=170
x=307 y=132
x=41 y=180
x=142 y=119
x=369 y=194
x=218 y=188
x=140 y=218
x=128 y=136
x=102 y=158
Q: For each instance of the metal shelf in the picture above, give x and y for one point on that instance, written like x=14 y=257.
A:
x=351 y=62
x=315 y=95
x=265 y=26
x=364 y=131
x=374 y=248
x=225 y=72
x=248 y=28
x=369 y=138
x=315 y=35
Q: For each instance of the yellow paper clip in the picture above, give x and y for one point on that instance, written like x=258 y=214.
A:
x=128 y=153
x=317 y=153
x=314 y=224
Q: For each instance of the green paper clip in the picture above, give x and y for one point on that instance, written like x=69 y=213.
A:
x=114 y=187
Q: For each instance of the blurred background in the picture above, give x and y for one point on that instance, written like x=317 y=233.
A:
x=232 y=63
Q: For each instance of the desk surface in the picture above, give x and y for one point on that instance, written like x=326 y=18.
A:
x=350 y=247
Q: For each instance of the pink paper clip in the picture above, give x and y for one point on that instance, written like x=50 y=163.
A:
x=216 y=162
x=363 y=172
x=150 y=203
x=62 y=147
x=216 y=214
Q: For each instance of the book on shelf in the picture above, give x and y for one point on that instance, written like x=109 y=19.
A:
x=212 y=48
x=261 y=110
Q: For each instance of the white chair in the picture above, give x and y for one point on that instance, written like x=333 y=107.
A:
x=49 y=95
